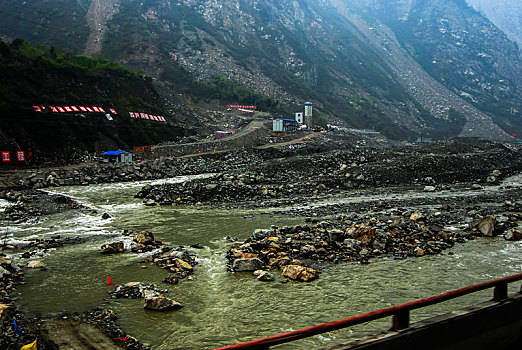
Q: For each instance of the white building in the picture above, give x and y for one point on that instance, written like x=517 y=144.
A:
x=299 y=117
x=308 y=113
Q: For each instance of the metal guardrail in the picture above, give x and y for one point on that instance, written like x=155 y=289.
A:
x=400 y=314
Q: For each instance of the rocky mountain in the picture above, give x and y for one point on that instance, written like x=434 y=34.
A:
x=404 y=67
x=505 y=14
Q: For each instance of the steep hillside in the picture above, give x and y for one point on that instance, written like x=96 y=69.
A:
x=404 y=67
x=49 y=104
x=505 y=14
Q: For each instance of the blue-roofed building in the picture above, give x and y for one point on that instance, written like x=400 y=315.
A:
x=117 y=157
x=282 y=125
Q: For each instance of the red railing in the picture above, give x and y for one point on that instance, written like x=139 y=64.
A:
x=400 y=314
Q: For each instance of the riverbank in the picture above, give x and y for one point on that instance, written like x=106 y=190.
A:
x=354 y=205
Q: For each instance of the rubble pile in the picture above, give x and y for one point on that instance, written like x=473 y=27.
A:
x=350 y=239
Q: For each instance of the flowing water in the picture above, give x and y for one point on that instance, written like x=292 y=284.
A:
x=222 y=308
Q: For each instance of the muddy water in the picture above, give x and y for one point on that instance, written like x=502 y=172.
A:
x=223 y=308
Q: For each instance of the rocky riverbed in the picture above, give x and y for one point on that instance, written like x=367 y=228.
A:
x=282 y=177
x=357 y=204
x=30 y=204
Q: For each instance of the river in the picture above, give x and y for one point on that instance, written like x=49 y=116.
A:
x=223 y=308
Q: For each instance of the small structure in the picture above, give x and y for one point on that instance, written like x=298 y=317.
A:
x=299 y=117
x=283 y=125
x=223 y=134
x=117 y=157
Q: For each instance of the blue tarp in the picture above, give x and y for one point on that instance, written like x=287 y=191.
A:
x=113 y=153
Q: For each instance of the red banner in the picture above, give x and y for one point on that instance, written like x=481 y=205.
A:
x=140 y=115
x=71 y=109
x=6 y=157
x=240 y=106
x=21 y=156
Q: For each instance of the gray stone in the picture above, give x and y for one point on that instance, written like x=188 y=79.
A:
x=161 y=303
x=514 y=234
x=430 y=188
x=265 y=276
x=487 y=226
x=35 y=264
x=113 y=248
x=261 y=233
x=247 y=265
x=4 y=272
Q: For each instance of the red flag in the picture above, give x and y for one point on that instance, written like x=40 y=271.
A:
x=109 y=282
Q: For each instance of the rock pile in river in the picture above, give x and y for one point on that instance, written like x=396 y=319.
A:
x=410 y=234
x=32 y=203
x=136 y=290
x=178 y=261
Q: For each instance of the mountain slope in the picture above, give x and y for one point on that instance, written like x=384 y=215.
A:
x=34 y=81
x=505 y=14
x=404 y=67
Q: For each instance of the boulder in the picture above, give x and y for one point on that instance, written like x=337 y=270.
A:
x=35 y=264
x=4 y=272
x=150 y=203
x=113 y=248
x=172 y=279
x=418 y=251
x=514 y=235
x=265 y=276
x=6 y=311
x=260 y=233
x=161 y=303
x=487 y=225
x=182 y=264
x=145 y=238
x=247 y=265
x=429 y=188
x=300 y=273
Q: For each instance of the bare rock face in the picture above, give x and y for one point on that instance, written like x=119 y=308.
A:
x=161 y=303
x=300 y=273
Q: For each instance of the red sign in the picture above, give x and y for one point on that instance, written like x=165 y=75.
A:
x=140 y=115
x=21 y=156
x=6 y=157
x=240 y=106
